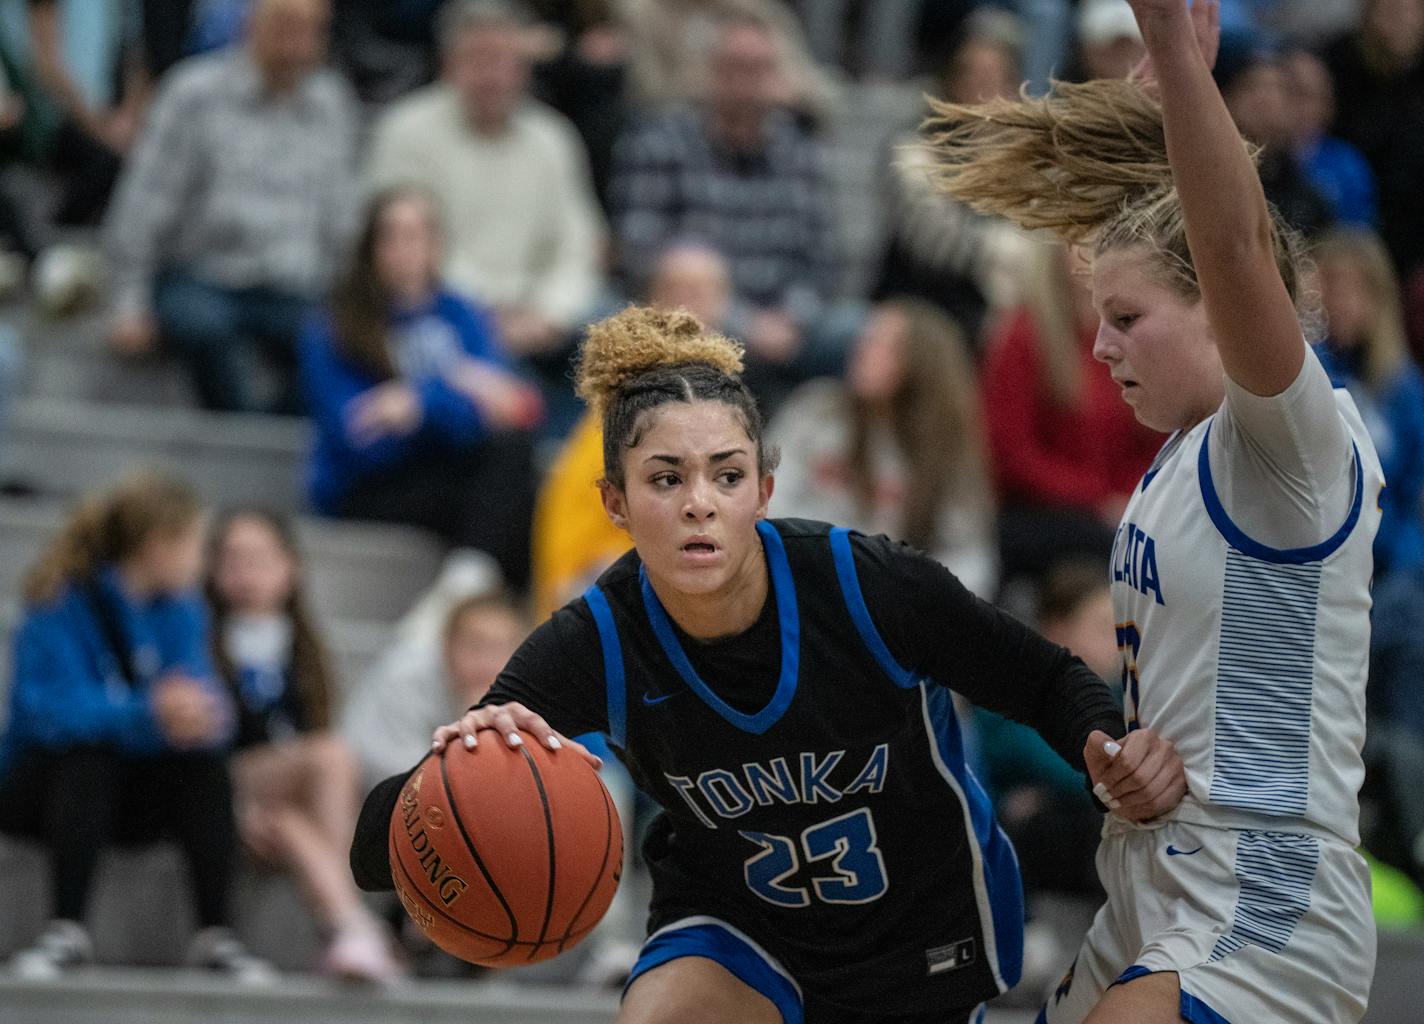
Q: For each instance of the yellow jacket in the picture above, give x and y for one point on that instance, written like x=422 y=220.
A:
x=573 y=539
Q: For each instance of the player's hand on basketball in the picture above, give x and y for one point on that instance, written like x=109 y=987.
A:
x=1138 y=777
x=509 y=721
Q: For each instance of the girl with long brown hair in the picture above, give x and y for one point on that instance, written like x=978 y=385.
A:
x=1242 y=564
x=296 y=780
x=898 y=446
x=118 y=728
x=418 y=418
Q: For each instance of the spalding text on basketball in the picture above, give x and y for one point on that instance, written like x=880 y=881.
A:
x=448 y=884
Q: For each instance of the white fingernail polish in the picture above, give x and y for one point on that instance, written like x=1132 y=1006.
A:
x=554 y=743
x=1114 y=804
x=469 y=743
x=515 y=740
x=435 y=745
x=1101 y=792
x=1112 y=749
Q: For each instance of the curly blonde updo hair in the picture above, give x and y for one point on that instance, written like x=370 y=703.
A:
x=643 y=358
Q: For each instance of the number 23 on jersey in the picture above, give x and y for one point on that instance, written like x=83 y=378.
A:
x=844 y=845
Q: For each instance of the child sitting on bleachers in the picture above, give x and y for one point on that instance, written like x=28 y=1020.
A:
x=295 y=780
x=420 y=682
x=119 y=730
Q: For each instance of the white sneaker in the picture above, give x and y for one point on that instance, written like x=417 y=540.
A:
x=363 y=953
x=68 y=278
x=219 y=950
x=61 y=945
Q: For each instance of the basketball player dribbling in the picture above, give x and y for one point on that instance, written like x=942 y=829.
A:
x=782 y=689
x=1241 y=569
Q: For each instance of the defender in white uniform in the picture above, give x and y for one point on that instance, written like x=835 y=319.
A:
x=1241 y=569
x=1240 y=582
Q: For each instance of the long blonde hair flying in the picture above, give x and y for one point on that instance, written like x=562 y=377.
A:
x=1087 y=162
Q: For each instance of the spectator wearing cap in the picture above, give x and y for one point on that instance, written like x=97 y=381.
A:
x=1252 y=81
x=236 y=207
x=1109 y=41
x=524 y=233
x=1337 y=170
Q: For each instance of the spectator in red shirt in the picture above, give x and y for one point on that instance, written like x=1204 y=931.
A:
x=1066 y=452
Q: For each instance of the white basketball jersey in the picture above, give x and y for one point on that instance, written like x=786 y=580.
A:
x=1251 y=660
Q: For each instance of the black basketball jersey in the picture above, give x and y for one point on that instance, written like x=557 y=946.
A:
x=830 y=813
x=811 y=771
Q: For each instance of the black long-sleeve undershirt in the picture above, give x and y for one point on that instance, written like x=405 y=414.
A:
x=930 y=622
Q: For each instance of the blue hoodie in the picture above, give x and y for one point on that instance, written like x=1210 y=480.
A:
x=424 y=341
x=68 y=689
x=1394 y=416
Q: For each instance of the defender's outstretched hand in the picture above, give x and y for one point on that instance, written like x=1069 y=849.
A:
x=1205 y=17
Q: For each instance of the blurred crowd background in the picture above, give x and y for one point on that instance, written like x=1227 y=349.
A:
x=290 y=460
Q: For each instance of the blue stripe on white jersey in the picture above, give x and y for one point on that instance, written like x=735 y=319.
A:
x=1275 y=871
x=1251 y=659
x=1265 y=675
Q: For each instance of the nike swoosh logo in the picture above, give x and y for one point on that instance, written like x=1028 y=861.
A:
x=1172 y=851
x=650 y=700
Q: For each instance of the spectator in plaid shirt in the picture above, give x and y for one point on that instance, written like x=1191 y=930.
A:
x=237 y=206
x=736 y=173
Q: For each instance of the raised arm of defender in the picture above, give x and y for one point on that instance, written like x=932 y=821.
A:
x=1228 y=227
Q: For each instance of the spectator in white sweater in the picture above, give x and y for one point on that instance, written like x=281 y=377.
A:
x=525 y=235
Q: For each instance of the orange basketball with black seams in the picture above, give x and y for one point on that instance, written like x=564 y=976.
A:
x=505 y=856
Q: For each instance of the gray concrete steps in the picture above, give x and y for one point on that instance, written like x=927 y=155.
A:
x=110 y=996
x=68 y=359
x=141 y=911
x=76 y=374
x=69 y=447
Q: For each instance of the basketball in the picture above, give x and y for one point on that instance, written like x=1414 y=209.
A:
x=505 y=856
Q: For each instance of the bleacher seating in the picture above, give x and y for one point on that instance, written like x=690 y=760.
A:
x=67 y=359
x=69 y=446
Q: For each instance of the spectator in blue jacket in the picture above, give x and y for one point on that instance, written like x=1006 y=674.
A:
x=1339 y=171
x=118 y=728
x=1364 y=350
x=418 y=418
